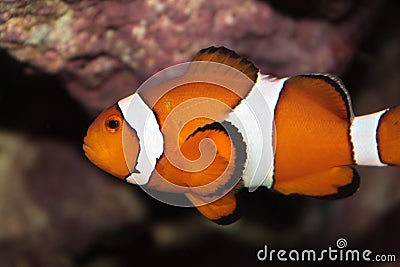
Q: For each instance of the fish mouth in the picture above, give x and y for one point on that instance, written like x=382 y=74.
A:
x=86 y=148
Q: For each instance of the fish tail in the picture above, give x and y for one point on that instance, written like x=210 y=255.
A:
x=376 y=138
x=388 y=136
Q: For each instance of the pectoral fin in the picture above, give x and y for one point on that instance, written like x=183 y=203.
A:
x=218 y=143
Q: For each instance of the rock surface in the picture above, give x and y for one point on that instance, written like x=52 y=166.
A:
x=103 y=50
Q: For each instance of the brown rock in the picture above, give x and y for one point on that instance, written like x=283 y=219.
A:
x=105 y=49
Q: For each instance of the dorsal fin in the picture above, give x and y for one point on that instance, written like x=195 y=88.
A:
x=234 y=75
x=226 y=56
x=328 y=90
x=213 y=83
x=312 y=122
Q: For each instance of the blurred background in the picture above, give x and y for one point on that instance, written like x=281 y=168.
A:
x=62 y=62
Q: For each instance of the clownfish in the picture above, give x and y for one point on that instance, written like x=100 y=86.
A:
x=294 y=135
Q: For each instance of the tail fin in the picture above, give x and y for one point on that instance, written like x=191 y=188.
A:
x=388 y=136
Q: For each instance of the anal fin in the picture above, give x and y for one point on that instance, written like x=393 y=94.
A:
x=334 y=183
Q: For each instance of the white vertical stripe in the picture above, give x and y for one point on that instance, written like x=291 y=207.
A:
x=363 y=136
x=254 y=117
x=141 y=118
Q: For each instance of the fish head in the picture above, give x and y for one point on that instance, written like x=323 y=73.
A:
x=111 y=144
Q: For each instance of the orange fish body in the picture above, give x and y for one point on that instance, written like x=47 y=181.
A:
x=222 y=125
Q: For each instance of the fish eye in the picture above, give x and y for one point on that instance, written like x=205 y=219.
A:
x=113 y=124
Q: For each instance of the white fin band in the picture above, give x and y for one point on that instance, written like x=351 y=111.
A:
x=151 y=141
x=363 y=133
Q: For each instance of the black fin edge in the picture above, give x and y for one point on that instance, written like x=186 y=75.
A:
x=377 y=134
x=228 y=52
x=211 y=126
x=240 y=159
x=231 y=218
x=338 y=85
x=345 y=191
